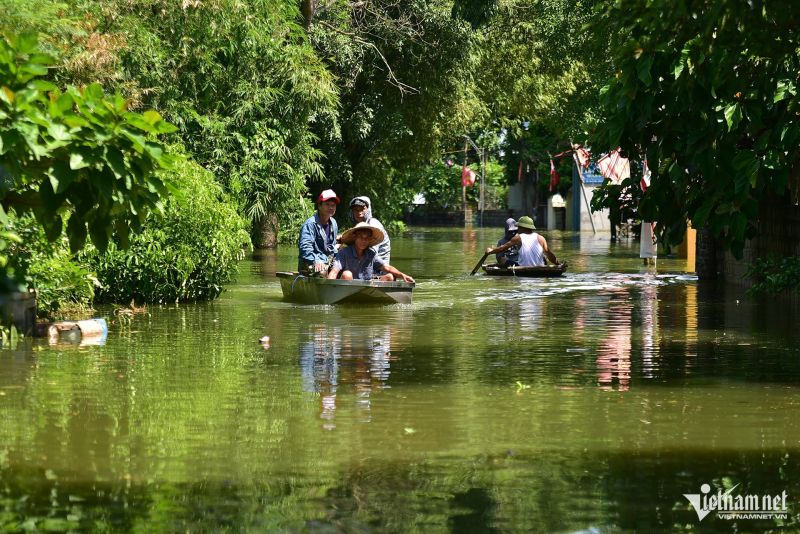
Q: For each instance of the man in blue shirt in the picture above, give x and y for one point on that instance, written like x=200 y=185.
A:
x=317 y=242
x=358 y=261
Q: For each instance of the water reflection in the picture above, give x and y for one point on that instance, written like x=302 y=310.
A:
x=357 y=357
x=648 y=306
x=614 y=353
x=491 y=405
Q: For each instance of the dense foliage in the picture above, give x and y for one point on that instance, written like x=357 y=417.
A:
x=189 y=253
x=80 y=162
x=707 y=92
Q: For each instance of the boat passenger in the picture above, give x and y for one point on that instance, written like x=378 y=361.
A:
x=532 y=247
x=510 y=257
x=361 y=211
x=317 y=241
x=358 y=261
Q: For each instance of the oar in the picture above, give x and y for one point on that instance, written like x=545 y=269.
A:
x=480 y=262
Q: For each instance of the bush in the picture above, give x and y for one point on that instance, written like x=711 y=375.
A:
x=395 y=228
x=774 y=275
x=62 y=283
x=186 y=254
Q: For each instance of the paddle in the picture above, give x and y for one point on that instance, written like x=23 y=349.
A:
x=480 y=262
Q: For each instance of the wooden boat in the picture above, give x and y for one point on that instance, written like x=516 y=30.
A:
x=318 y=290
x=546 y=271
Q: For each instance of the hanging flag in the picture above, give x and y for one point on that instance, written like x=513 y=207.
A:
x=467 y=176
x=554 y=178
x=582 y=155
x=614 y=167
x=519 y=172
x=645 y=182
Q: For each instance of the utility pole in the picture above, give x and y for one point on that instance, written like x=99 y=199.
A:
x=482 y=155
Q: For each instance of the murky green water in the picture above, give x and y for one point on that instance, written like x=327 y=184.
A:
x=589 y=403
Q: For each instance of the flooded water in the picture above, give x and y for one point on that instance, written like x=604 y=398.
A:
x=589 y=403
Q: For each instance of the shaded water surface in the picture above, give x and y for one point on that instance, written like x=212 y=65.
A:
x=587 y=403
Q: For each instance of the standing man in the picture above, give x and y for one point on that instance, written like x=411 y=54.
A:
x=532 y=246
x=361 y=211
x=317 y=242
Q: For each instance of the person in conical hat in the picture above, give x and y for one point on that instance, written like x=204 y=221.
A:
x=357 y=261
x=532 y=247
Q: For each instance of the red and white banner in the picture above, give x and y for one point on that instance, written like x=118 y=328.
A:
x=614 y=167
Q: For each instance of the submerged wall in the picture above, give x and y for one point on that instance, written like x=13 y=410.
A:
x=778 y=236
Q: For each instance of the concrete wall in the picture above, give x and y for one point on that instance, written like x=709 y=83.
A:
x=581 y=218
x=422 y=217
x=778 y=235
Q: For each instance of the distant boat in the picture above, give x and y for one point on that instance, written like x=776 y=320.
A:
x=318 y=290
x=545 y=271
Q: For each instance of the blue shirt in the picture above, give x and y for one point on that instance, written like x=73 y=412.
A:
x=363 y=267
x=314 y=243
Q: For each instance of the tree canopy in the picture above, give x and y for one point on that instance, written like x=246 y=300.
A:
x=707 y=92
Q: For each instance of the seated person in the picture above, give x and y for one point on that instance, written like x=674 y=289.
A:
x=317 y=241
x=532 y=246
x=358 y=261
x=510 y=257
x=361 y=211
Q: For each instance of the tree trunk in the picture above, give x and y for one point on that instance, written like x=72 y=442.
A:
x=265 y=232
x=706 y=261
x=307 y=8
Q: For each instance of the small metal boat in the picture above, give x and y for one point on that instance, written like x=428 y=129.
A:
x=318 y=290
x=545 y=271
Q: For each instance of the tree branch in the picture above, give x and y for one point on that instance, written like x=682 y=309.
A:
x=404 y=88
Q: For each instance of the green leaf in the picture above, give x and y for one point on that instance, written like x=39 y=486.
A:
x=42 y=85
x=123 y=233
x=59 y=132
x=99 y=231
x=77 y=161
x=747 y=165
x=76 y=232
x=26 y=43
x=643 y=69
x=784 y=90
x=94 y=93
x=61 y=176
x=137 y=140
x=733 y=114
x=52 y=227
x=737 y=225
x=116 y=161
x=701 y=214
x=74 y=121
